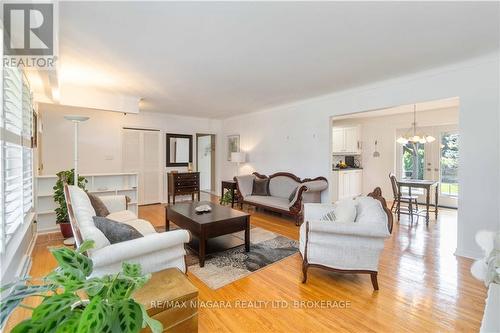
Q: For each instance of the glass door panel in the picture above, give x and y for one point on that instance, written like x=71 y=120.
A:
x=449 y=155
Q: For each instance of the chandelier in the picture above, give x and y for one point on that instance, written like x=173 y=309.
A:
x=415 y=137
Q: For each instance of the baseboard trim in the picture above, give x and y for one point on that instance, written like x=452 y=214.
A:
x=475 y=255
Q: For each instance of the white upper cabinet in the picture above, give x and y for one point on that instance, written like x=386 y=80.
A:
x=346 y=140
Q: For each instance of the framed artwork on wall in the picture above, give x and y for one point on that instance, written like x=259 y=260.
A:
x=233 y=145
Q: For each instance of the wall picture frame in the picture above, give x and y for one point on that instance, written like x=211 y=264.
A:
x=233 y=145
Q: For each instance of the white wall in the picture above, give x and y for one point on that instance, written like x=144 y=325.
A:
x=383 y=129
x=296 y=137
x=100 y=140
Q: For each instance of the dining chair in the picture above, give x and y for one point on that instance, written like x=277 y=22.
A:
x=399 y=198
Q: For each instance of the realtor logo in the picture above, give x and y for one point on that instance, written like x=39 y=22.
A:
x=29 y=29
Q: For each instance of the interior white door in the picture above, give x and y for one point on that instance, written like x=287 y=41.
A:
x=141 y=153
x=204 y=155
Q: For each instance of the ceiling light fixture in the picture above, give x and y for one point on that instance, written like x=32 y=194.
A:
x=414 y=137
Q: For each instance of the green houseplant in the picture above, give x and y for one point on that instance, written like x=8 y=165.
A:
x=227 y=197
x=66 y=176
x=73 y=302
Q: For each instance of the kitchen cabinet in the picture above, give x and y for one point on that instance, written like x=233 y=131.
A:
x=346 y=183
x=346 y=140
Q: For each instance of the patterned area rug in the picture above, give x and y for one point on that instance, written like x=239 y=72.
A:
x=226 y=266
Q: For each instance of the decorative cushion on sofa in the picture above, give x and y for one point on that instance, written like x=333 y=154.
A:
x=83 y=210
x=345 y=210
x=260 y=187
x=369 y=210
x=99 y=206
x=329 y=217
x=116 y=232
x=127 y=217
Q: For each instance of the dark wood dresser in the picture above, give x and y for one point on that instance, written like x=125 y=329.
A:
x=183 y=183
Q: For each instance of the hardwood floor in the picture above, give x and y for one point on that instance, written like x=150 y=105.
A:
x=423 y=286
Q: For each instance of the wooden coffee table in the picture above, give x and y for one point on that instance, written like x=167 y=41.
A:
x=220 y=221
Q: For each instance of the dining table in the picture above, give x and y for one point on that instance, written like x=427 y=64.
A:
x=427 y=185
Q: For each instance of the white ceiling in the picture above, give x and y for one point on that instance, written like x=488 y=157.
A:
x=221 y=59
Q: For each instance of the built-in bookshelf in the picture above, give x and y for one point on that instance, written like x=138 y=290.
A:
x=100 y=184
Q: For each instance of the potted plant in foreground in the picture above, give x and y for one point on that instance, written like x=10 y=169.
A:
x=66 y=176
x=73 y=302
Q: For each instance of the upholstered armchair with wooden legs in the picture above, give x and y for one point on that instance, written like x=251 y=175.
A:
x=346 y=247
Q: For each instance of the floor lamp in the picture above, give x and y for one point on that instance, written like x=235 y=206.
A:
x=76 y=120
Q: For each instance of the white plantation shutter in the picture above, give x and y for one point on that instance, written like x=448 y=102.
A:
x=15 y=154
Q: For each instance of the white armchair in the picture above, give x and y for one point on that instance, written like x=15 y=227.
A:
x=346 y=247
x=155 y=251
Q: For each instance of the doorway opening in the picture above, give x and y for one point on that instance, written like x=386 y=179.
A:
x=205 y=161
x=368 y=145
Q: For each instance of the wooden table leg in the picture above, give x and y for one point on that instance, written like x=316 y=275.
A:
x=436 y=201
x=247 y=235
x=427 y=204
x=398 y=207
x=232 y=197
x=221 y=194
x=201 y=249
x=167 y=222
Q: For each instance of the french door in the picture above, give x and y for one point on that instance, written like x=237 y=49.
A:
x=437 y=160
x=141 y=153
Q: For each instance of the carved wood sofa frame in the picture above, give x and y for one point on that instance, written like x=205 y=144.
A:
x=376 y=194
x=295 y=211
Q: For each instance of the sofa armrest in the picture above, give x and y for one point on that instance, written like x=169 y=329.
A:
x=310 y=186
x=300 y=189
x=114 y=203
x=373 y=230
x=316 y=185
x=120 y=252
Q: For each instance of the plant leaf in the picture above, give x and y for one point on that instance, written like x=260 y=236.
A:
x=17 y=294
x=120 y=289
x=26 y=326
x=85 y=246
x=70 y=324
x=6 y=308
x=95 y=317
x=71 y=279
x=128 y=317
x=155 y=325
x=69 y=258
x=94 y=286
x=131 y=269
x=55 y=305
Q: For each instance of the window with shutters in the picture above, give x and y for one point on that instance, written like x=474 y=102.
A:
x=16 y=155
